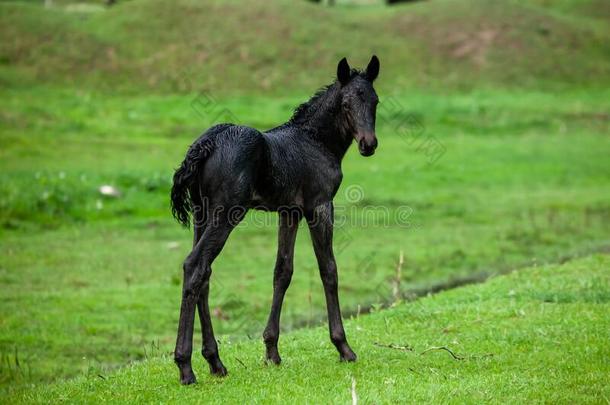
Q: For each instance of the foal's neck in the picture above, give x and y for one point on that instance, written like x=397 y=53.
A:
x=321 y=119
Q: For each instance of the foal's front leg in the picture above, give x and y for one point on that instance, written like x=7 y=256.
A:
x=289 y=224
x=321 y=228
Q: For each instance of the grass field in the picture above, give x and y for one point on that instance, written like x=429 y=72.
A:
x=491 y=202
x=537 y=335
x=484 y=166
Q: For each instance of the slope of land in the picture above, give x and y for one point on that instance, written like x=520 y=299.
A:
x=280 y=46
x=539 y=334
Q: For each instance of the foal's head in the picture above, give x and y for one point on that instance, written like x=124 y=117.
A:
x=359 y=103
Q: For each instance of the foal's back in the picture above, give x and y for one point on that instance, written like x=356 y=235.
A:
x=234 y=165
x=271 y=170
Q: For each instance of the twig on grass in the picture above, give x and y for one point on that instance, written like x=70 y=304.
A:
x=406 y=348
x=241 y=362
x=456 y=357
x=17 y=358
x=413 y=370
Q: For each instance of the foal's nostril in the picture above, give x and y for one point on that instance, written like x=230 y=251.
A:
x=367 y=143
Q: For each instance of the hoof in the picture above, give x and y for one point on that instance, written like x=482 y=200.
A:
x=273 y=356
x=348 y=356
x=274 y=359
x=219 y=370
x=187 y=378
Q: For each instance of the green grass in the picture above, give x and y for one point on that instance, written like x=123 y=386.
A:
x=537 y=335
x=523 y=180
x=515 y=92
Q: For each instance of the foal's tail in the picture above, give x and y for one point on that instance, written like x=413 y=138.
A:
x=187 y=174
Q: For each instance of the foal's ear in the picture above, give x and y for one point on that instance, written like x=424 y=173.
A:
x=372 y=70
x=343 y=71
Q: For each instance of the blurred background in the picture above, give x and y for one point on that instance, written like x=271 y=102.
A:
x=493 y=130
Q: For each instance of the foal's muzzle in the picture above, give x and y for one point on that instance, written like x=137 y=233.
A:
x=367 y=144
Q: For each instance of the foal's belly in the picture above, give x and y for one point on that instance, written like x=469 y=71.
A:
x=278 y=200
x=304 y=198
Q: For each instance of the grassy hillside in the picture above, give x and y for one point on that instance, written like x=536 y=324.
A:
x=269 y=47
x=539 y=334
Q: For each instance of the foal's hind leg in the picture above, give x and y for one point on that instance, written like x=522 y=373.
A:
x=289 y=224
x=192 y=279
x=209 y=348
x=197 y=271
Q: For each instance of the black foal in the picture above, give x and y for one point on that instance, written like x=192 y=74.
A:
x=294 y=169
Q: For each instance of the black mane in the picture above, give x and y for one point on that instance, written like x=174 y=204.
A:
x=303 y=113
